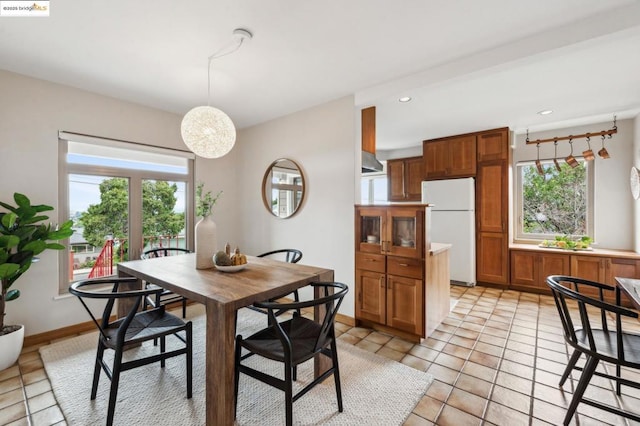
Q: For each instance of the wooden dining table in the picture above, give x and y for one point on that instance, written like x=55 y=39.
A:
x=223 y=294
x=630 y=287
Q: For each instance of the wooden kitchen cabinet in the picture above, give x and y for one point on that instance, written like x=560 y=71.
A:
x=391 y=230
x=389 y=275
x=492 y=238
x=404 y=179
x=531 y=265
x=371 y=295
x=450 y=157
x=491 y=145
x=492 y=257
x=589 y=267
x=623 y=268
x=405 y=302
x=604 y=270
x=492 y=197
x=492 y=207
x=529 y=269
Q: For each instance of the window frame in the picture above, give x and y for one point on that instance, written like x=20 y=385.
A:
x=520 y=235
x=371 y=177
x=135 y=178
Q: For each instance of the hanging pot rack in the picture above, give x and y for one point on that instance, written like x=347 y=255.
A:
x=603 y=133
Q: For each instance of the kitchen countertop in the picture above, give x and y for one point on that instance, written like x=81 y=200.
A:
x=595 y=252
x=437 y=248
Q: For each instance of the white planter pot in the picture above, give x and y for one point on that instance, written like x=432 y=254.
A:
x=10 y=347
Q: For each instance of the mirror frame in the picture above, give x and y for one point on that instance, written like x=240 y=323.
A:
x=266 y=179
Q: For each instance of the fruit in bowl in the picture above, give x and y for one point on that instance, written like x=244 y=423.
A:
x=238 y=258
x=222 y=259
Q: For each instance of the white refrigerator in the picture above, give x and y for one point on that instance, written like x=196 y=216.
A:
x=453 y=221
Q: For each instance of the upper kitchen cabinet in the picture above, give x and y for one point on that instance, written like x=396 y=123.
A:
x=492 y=146
x=450 y=157
x=405 y=177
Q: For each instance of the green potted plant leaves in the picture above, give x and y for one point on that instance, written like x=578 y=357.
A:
x=23 y=236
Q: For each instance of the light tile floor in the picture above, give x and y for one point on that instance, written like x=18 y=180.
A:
x=496 y=359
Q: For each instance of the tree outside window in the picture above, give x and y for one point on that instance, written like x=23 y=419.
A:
x=555 y=203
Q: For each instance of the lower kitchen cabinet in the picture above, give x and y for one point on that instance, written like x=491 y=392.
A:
x=371 y=296
x=391 y=300
x=405 y=298
x=604 y=270
x=492 y=258
x=529 y=268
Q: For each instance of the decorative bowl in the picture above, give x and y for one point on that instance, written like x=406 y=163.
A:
x=234 y=268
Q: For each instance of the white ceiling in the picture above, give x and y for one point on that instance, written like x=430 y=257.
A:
x=468 y=65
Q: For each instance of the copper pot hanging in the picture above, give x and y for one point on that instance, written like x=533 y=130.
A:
x=571 y=160
x=588 y=154
x=603 y=152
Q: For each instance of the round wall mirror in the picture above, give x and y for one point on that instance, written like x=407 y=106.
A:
x=283 y=188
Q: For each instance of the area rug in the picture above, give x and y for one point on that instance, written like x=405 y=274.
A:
x=375 y=390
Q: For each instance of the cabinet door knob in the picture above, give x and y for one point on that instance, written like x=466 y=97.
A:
x=403 y=264
x=381 y=281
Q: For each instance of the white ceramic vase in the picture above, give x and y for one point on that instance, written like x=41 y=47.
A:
x=206 y=242
x=10 y=347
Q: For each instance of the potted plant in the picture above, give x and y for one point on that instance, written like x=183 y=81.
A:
x=23 y=236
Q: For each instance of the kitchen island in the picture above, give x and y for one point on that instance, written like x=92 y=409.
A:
x=401 y=276
x=437 y=292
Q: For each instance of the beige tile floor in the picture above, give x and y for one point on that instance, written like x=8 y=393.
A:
x=496 y=359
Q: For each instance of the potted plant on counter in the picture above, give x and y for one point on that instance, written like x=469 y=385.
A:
x=23 y=236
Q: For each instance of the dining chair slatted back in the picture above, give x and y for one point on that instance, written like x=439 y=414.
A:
x=135 y=328
x=166 y=296
x=290 y=256
x=295 y=341
x=594 y=327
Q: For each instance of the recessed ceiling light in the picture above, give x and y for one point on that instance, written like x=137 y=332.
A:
x=545 y=112
x=405 y=99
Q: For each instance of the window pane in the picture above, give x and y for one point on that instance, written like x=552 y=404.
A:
x=364 y=190
x=163 y=214
x=97 y=155
x=99 y=207
x=373 y=189
x=380 y=189
x=554 y=203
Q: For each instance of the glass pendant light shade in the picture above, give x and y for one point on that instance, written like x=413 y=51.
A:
x=208 y=132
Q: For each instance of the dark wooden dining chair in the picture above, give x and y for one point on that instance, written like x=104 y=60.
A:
x=134 y=329
x=166 y=296
x=290 y=256
x=293 y=342
x=593 y=327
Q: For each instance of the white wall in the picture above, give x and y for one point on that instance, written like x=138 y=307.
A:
x=31 y=114
x=636 y=203
x=322 y=141
x=614 y=220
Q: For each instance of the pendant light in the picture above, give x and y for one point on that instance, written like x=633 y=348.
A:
x=207 y=131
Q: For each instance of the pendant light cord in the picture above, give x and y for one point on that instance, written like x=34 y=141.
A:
x=227 y=50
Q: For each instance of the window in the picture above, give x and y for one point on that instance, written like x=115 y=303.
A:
x=373 y=188
x=558 y=202
x=124 y=198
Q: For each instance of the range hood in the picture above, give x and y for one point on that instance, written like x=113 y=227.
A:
x=369 y=161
